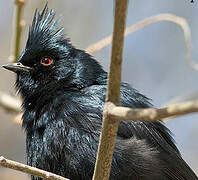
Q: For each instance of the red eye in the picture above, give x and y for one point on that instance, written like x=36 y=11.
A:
x=46 y=61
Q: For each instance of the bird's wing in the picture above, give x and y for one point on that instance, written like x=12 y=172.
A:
x=156 y=135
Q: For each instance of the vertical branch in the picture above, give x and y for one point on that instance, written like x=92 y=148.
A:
x=113 y=92
x=110 y=125
x=19 y=24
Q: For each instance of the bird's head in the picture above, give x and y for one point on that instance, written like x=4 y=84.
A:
x=49 y=60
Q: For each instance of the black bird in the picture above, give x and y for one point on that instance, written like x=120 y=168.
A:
x=63 y=90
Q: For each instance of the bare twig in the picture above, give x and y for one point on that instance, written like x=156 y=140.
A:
x=110 y=125
x=151 y=114
x=7 y=101
x=146 y=114
x=144 y=23
x=29 y=170
x=19 y=24
x=10 y=103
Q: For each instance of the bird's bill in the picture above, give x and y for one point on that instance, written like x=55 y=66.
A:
x=16 y=67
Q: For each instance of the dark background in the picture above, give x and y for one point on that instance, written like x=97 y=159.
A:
x=154 y=61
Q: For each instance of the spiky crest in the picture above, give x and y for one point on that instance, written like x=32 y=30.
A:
x=44 y=31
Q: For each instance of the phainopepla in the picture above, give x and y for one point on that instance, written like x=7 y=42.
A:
x=63 y=90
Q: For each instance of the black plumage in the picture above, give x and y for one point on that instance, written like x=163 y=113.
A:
x=63 y=90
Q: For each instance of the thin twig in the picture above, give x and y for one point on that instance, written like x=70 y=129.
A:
x=10 y=103
x=110 y=125
x=7 y=101
x=144 y=23
x=146 y=114
x=19 y=24
x=29 y=170
x=152 y=114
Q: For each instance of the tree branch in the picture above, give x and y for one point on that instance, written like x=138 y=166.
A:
x=152 y=114
x=29 y=170
x=144 y=23
x=109 y=124
x=19 y=24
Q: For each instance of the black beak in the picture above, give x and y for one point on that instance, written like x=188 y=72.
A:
x=17 y=67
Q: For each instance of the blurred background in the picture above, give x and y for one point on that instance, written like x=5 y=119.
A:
x=154 y=61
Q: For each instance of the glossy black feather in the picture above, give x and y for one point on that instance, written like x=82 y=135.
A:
x=63 y=106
